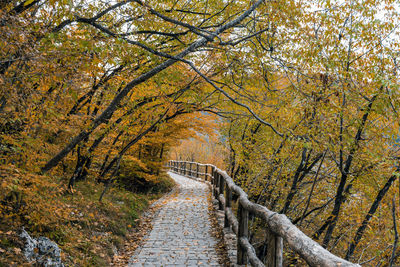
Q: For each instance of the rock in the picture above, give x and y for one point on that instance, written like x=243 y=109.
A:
x=50 y=251
x=114 y=250
x=41 y=250
x=97 y=234
x=30 y=245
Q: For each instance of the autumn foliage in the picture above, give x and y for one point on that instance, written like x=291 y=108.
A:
x=297 y=100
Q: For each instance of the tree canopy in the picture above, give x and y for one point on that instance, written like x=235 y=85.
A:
x=304 y=96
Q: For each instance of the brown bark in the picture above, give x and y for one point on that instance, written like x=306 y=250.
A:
x=108 y=112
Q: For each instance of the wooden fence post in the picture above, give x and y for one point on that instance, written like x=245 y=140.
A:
x=184 y=168
x=243 y=231
x=274 y=250
x=181 y=172
x=274 y=255
x=213 y=181
x=221 y=192
x=228 y=204
x=279 y=251
x=216 y=185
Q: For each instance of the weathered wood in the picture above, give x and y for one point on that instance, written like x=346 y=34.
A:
x=213 y=182
x=216 y=184
x=271 y=249
x=279 y=225
x=232 y=220
x=250 y=252
x=212 y=177
x=221 y=205
x=279 y=252
x=184 y=168
x=228 y=204
x=221 y=199
x=243 y=231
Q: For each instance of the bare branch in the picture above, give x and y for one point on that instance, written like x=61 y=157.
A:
x=231 y=98
x=114 y=104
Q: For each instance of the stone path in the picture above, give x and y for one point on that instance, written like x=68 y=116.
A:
x=181 y=230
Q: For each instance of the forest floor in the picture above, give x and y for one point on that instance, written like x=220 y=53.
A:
x=89 y=232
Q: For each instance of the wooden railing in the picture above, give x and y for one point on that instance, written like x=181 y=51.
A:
x=280 y=229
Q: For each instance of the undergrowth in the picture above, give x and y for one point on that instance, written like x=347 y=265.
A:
x=89 y=232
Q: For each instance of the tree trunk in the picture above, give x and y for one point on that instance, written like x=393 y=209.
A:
x=109 y=111
x=368 y=216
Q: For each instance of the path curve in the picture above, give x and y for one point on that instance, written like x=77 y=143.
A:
x=181 y=234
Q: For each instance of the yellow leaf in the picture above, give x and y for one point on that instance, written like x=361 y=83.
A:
x=28 y=2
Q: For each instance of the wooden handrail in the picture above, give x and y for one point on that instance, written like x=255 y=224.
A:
x=280 y=228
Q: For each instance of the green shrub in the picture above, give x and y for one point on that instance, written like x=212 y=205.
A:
x=136 y=176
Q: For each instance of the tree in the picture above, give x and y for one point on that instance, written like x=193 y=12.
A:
x=332 y=100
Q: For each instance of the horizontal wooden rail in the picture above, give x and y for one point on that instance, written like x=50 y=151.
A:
x=280 y=228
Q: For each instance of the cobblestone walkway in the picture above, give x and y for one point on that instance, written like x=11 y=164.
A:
x=181 y=230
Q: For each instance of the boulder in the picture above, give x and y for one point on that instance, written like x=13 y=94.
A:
x=41 y=250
